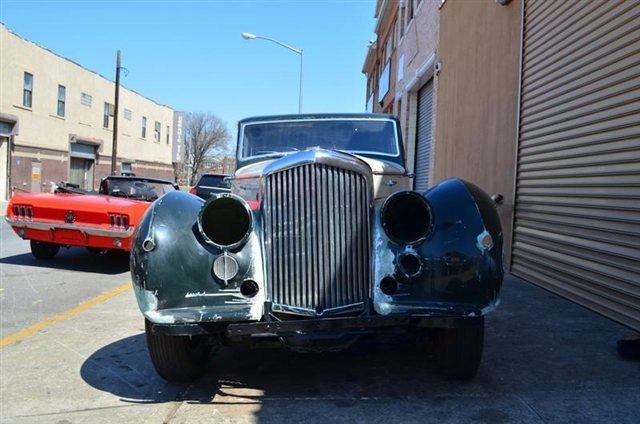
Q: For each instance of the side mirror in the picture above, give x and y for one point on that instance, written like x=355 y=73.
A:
x=176 y=186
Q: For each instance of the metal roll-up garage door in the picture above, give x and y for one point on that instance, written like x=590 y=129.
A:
x=577 y=209
x=423 y=137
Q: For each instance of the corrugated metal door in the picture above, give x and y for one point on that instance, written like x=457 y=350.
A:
x=577 y=210
x=423 y=137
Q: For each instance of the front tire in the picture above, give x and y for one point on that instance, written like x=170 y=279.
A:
x=459 y=350
x=177 y=358
x=43 y=250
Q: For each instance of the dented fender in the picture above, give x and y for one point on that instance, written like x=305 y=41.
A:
x=461 y=268
x=171 y=268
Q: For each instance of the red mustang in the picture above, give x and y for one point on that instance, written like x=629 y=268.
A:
x=71 y=217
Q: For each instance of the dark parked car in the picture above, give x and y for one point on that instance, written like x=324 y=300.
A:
x=320 y=241
x=210 y=184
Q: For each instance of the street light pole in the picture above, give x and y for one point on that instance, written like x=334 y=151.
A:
x=114 y=142
x=249 y=36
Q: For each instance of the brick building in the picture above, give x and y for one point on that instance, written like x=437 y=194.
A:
x=56 y=123
x=538 y=101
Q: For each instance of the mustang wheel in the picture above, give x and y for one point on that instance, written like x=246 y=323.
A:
x=42 y=250
x=459 y=350
x=177 y=358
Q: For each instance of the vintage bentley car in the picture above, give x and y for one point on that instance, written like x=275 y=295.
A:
x=320 y=241
x=100 y=221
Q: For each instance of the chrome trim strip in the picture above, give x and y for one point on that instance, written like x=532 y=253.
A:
x=297 y=310
x=87 y=230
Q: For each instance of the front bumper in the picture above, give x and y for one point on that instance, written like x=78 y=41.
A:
x=352 y=325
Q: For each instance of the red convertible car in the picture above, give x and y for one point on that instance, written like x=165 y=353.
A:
x=71 y=217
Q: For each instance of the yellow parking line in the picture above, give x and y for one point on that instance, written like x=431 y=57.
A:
x=26 y=332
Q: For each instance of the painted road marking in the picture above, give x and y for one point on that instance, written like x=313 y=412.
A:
x=26 y=332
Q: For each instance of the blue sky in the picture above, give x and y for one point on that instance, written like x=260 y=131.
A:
x=190 y=55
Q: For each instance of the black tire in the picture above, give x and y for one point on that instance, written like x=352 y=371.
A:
x=43 y=250
x=459 y=350
x=177 y=358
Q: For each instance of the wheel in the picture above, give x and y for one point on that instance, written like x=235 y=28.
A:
x=177 y=358
x=459 y=350
x=43 y=250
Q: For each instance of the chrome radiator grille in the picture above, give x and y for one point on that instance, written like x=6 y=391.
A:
x=317 y=239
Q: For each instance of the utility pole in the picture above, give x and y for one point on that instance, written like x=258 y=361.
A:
x=114 y=145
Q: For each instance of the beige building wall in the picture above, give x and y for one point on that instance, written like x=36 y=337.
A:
x=417 y=52
x=45 y=137
x=477 y=106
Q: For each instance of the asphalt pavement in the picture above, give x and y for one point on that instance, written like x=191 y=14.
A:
x=545 y=360
x=32 y=290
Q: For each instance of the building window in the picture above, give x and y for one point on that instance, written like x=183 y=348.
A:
x=127 y=114
x=156 y=132
x=27 y=90
x=383 y=83
x=388 y=51
x=107 y=118
x=143 y=133
x=410 y=11
x=167 y=135
x=400 y=69
x=62 y=94
x=402 y=15
x=370 y=104
x=86 y=99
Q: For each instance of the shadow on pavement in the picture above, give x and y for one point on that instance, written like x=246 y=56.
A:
x=545 y=359
x=75 y=259
x=388 y=367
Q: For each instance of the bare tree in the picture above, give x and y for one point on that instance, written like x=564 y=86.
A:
x=206 y=136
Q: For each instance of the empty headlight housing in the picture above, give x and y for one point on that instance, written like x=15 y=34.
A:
x=406 y=217
x=225 y=221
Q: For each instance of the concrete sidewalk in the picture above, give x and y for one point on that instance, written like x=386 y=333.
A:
x=546 y=360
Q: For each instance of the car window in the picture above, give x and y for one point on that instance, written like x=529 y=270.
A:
x=135 y=189
x=212 y=181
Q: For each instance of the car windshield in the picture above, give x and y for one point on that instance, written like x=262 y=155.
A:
x=365 y=136
x=135 y=189
x=213 y=181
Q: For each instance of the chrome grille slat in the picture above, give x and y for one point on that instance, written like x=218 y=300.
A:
x=317 y=238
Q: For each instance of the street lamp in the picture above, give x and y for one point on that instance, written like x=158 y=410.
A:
x=250 y=36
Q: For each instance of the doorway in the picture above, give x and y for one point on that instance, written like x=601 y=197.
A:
x=81 y=172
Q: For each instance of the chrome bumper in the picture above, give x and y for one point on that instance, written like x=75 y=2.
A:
x=86 y=230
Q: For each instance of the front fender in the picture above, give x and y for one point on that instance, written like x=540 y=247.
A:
x=173 y=281
x=461 y=260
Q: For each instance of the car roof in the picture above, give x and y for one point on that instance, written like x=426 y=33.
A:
x=307 y=116
x=123 y=177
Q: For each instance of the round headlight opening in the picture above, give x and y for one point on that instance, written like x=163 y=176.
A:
x=225 y=221
x=406 y=217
